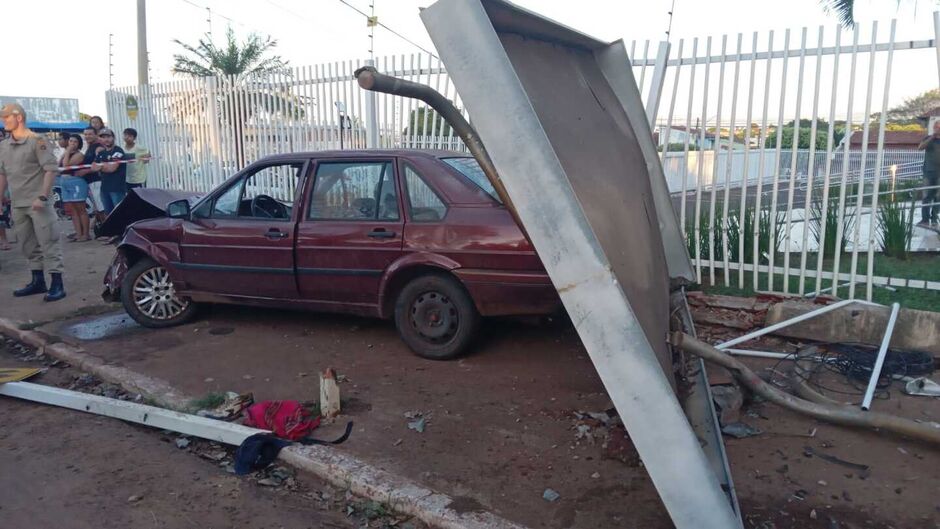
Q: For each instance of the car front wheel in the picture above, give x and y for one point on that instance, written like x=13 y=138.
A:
x=149 y=297
x=436 y=317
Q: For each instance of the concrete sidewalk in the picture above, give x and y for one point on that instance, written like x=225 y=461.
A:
x=85 y=265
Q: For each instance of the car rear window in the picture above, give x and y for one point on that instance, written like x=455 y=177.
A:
x=471 y=169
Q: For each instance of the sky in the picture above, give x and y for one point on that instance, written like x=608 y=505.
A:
x=62 y=49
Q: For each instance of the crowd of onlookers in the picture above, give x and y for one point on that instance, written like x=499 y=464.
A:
x=90 y=193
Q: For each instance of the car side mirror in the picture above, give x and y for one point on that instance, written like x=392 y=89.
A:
x=178 y=209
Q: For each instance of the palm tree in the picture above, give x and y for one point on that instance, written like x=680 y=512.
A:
x=843 y=9
x=240 y=64
x=245 y=61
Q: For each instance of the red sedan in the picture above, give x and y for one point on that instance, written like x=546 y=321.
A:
x=416 y=236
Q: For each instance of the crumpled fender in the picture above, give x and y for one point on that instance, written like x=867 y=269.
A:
x=396 y=269
x=164 y=253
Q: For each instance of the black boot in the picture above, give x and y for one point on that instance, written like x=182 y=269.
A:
x=56 y=290
x=36 y=286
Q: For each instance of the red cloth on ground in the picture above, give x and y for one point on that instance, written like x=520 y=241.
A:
x=286 y=418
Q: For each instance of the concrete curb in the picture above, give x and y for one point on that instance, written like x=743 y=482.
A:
x=335 y=467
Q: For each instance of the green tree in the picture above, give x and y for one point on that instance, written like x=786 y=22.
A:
x=236 y=64
x=822 y=135
x=435 y=123
x=908 y=111
x=244 y=61
x=843 y=9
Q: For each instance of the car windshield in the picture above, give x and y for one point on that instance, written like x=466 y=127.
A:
x=471 y=169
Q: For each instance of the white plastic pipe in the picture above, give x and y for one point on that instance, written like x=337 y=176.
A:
x=880 y=361
x=787 y=323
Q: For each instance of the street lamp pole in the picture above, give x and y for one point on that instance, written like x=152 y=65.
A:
x=143 y=76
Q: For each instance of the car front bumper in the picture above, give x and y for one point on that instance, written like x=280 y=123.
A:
x=114 y=276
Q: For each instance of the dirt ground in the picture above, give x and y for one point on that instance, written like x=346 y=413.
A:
x=502 y=423
x=62 y=468
x=502 y=426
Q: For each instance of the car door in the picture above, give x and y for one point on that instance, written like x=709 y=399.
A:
x=351 y=230
x=242 y=241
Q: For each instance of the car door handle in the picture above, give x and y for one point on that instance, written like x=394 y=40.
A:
x=381 y=233
x=275 y=233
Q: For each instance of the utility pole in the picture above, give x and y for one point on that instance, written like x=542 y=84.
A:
x=143 y=76
x=111 y=61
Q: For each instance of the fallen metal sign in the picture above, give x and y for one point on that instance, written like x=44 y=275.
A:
x=16 y=374
x=184 y=423
x=562 y=120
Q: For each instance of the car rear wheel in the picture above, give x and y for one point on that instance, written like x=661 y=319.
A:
x=149 y=297
x=436 y=317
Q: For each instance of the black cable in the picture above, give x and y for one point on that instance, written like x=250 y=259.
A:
x=390 y=30
x=855 y=363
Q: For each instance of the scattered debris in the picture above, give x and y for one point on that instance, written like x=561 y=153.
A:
x=922 y=386
x=397 y=442
x=329 y=394
x=864 y=470
x=550 y=495
x=596 y=475
x=269 y=482
x=740 y=430
x=135 y=498
x=221 y=331
x=230 y=408
x=182 y=442
x=417 y=425
x=729 y=400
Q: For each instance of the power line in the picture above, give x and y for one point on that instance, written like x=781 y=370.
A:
x=206 y=8
x=390 y=30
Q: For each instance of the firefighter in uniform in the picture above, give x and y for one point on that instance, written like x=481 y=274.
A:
x=28 y=167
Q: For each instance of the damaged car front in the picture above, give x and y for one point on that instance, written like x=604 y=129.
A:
x=142 y=222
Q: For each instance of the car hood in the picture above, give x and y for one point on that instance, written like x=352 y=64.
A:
x=140 y=204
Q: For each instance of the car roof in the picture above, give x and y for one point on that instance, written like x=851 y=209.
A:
x=355 y=153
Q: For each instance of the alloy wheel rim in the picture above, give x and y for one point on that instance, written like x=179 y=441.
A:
x=155 y=296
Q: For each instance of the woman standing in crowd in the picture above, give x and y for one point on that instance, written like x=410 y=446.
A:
x=75 y=190
x=96 y=123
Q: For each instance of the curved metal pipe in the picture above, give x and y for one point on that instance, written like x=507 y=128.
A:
x=370 y=79
x=835 y=414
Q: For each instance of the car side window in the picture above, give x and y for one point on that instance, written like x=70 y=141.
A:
x=226 y=204
x=354 y=191
x=267 y=193
x=425 y=205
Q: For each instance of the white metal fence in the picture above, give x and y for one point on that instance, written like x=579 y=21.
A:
x=746 y=196
x=202 y=130
x=738 y=100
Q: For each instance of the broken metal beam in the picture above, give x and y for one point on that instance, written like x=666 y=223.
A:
x=184 y=423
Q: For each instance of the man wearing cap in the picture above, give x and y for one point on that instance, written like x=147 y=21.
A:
x=113 y=175
x=29 y=167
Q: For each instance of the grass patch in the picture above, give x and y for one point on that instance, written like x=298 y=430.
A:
x=917 y=265
x=207 y=401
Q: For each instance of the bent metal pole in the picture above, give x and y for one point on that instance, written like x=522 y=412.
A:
x=370 y=79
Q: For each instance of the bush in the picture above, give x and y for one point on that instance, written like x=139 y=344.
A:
x=737 y=227
x=896 y=228
x=828 y=249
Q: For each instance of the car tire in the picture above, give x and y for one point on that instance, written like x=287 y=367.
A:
x=436 y=317
x=147 y=278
